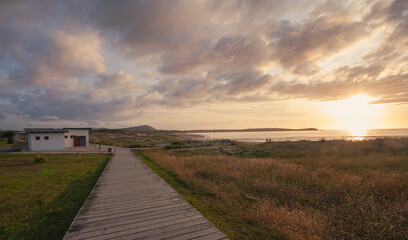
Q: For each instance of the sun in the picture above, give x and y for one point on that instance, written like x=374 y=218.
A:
x=355 y=114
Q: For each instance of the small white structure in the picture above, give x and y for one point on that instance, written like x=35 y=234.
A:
x=40 y=139
x=45 y=139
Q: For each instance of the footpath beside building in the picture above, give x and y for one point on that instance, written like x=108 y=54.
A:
x=46 y=139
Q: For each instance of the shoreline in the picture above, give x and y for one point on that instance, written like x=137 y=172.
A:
x=189 y=136
x=253 y=130
x=248 y=139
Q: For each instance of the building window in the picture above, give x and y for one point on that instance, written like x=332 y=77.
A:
x=66 y=136
x=37 y=138
x=46 y=137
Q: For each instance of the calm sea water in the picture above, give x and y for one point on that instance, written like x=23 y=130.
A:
x=306 y=135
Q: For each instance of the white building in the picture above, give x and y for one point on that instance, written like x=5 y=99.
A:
x=44 y=139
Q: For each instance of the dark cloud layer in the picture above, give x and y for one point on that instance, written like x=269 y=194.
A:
x=53 y=54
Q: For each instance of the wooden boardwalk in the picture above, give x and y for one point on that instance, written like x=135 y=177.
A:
x=130 y=201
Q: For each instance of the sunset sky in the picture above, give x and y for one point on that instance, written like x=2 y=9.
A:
x=204 y=64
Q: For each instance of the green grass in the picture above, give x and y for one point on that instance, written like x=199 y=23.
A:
x=40 y=200
x=5 y=144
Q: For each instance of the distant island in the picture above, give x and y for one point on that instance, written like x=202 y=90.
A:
x=150 y=129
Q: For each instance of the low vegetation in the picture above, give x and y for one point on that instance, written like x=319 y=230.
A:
x=5 y=144
x=188 y=144
x=39 y=159
x=134 y=139
x=40 y=195
x=10 y=136
x=131 y=139
x=294 y=190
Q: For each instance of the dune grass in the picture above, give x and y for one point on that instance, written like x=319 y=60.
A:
x=131 y=139
x=295 y=190
x=40 y=200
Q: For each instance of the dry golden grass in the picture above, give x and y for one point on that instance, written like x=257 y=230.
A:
x=353 y=194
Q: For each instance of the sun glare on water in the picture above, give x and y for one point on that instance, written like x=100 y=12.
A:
x=355 y=114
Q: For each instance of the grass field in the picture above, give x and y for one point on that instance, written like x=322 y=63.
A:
x=295 y=190
x=131 y=139
x=39 y=201
x=5 y=144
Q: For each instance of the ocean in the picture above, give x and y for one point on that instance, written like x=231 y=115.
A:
x=306 y=135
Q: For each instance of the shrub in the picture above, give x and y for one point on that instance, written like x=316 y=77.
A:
x=178 y=144
x=10 y=136
x=39 y=159
x=379 y=142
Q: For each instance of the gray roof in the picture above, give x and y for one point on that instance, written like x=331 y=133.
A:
x=45 y=130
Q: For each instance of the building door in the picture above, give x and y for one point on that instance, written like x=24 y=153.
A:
x=82 y=141
x=77 y=141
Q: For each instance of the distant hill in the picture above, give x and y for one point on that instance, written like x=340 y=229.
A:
x=141 y=128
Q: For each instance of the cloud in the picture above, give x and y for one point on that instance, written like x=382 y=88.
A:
x=389 y=89
x=114 y=80
x=48 y=118
x=299 y=46
x=230 y=52
x=43 y=47
x=390 y=48
x=225 y=87
x=112 y=86
x=94 y=123
x=360 y=73
x=74 y=108
x=149 y=27
x=56 y=55
x=397 y=10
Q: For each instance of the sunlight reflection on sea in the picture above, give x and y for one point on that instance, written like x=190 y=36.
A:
x=306 y=135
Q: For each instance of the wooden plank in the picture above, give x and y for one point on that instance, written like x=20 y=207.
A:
x=141 y=221
x=108 y=215
x=178 y=231
x=211 y=236
x=138 y=216
x=194 y=234
x=162 y=232
x=136 y=228
x=130 y=201
x=129 y=207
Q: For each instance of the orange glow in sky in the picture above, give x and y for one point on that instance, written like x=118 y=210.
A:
x=355 y=114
